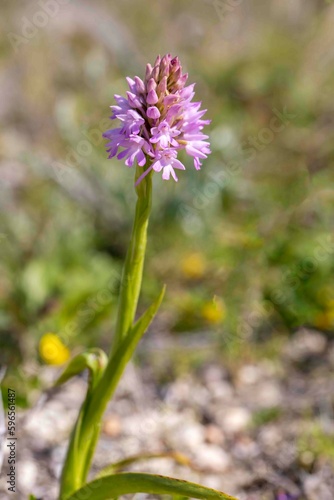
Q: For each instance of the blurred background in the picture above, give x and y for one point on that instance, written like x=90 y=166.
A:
x=245 y=246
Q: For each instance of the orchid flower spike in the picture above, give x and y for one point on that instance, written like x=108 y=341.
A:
x=158 y=119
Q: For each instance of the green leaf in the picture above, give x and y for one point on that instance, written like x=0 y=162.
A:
x=140 y=327
x=127 y=347
x=92 y=412
x=122 y=464
x=94 y=359
x=115 y=485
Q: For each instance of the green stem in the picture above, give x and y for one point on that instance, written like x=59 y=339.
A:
x=134 y=262
x=86 y=432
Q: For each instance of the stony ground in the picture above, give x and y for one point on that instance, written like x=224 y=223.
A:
x=265 y=431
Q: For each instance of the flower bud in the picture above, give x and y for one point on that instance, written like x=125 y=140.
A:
x=140 y=87
x=155 y=73
x=134 y=100
x=153 y=113
x=162 y=87
x=181 y=82
x=152 y=97
x=173 y=78
x=165 y=66
x=151 y=85
x=174 y=65
x=148 y=71
x=157 y=61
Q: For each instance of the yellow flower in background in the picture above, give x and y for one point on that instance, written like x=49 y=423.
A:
x=325 y=320
x=330 y=306
x=193 y=265
x=52 y=350
x=214 y=311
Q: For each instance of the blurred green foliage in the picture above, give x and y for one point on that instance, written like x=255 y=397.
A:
x=245 y=246
x=314 y=444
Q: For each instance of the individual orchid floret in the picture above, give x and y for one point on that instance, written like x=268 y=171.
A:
x=158 y=119
x=136 y=148
x=166 y=162
x=164 y=135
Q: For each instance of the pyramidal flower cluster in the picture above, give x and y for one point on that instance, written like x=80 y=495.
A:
x=158 y=119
